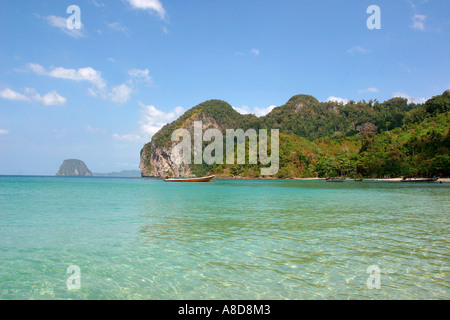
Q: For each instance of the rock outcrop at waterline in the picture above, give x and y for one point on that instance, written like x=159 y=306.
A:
x=74 y=168
x=156 y=162
x=156 y=155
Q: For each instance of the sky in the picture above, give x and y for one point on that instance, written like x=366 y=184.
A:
x=98 y=85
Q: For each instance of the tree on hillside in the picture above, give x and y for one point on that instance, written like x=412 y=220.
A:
x=438 y=104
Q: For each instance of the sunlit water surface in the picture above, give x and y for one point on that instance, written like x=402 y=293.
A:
x=229 y=239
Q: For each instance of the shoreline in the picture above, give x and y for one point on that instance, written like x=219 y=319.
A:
x=440 y=180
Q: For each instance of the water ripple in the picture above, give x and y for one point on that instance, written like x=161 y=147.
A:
x=144 y=239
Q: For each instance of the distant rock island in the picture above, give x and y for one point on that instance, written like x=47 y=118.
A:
x=121 y=174
x=74 y=168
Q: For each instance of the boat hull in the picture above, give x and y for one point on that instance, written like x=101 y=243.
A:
x=335 y=180
x=202 y=179
x=420 y=180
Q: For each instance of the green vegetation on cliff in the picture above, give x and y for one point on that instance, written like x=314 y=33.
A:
x=306 y=117
x=419 y=148
x=319 y=139
x=218 y=110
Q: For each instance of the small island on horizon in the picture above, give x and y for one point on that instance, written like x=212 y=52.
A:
x=74 y=168
x=77 y=168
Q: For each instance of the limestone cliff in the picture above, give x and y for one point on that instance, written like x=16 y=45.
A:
x=320 y=139
x=74 y=168
x=156 y=159
x=155 y=156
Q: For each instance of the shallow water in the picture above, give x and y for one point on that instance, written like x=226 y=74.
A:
x=229 y=239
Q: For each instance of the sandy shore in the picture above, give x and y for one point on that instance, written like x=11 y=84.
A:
x=440 y=180
x=391 y=180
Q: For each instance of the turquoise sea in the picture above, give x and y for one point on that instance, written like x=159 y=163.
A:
x=230 y=239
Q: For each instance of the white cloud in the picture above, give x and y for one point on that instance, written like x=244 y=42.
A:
x=37 y=68
x=150 y=5
x=253 y=51
x=357 y=49
x=83 y=74
x=242 y=110
x=120 y=94
x=419 y=22
x=58 y=22
x=259 y=112
x=140 y=75
x=127 y=137
x=338 y=100
x=371 y=89
x=61 y=24
x=89 y=128
x=153 y=120
x=13 y=95
x=50 y=99
x=3 y=132
x=119 y=27
x=97 y=3
x=409 y=98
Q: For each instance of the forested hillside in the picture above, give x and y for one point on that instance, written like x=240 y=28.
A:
x=319 y=139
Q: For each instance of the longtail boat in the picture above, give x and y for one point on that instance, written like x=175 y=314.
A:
x=419 y=179
x=202 y=179
x=335 y=179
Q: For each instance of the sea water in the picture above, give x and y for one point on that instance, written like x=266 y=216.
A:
x=228 y=239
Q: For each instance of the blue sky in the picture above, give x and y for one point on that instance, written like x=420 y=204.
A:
x=99 y=93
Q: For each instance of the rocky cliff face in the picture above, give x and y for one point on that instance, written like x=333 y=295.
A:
x=156 y=158
x=74 y=168
x=319 y=139
x=156 y=155
x=156 y=162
